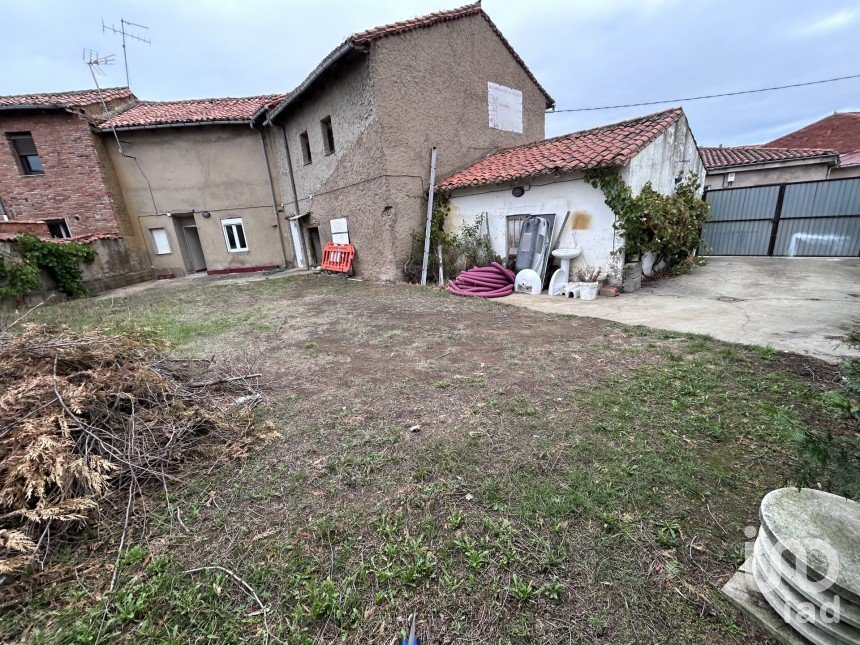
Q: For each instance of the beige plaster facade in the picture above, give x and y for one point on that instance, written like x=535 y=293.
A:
x=171 y=178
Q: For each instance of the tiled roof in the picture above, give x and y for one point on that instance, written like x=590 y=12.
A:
x=603 y=147
x=80 y=98
x=363 y=40
x=749 y=155
x=151 y=113
x=839 y=131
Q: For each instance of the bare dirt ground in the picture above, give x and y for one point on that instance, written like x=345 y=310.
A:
x=507 y=475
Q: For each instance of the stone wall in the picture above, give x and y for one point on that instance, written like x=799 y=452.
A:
x=112 y=268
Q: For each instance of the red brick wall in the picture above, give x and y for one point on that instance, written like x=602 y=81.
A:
x=73 y=185
x=12 y=228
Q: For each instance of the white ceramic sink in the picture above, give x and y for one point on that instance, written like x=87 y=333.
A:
x=567 y=254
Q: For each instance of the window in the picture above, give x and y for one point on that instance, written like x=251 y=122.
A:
x=58 y=228
x=328 y=135
x=234 y=234
x=306 y=147
x=514 y=231
x=160 y=240
x=25 y=149
x=3 y=215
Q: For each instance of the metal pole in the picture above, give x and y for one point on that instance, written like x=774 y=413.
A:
x=274 y=199
x=429 y=217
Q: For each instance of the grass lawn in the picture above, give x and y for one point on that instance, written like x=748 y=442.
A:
x=571 y=480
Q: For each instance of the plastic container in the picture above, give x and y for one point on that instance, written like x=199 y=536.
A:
x=588 y=290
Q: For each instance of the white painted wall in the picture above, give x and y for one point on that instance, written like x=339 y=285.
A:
x=661 y=160
x=589 y=225
x=590 y=222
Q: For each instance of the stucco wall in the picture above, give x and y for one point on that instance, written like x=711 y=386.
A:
x=219 y=169
x=768 y=175
x=673 y=152
x=388 y=107
x=349 y=182
x=431 y=89
x=589 y=225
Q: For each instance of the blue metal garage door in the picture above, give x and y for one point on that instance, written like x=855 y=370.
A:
x=815 y=218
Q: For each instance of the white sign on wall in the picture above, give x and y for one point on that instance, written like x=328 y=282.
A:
x=339 y=231
x=506 y=108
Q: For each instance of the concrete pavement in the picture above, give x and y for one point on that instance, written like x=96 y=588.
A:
x=803 y=305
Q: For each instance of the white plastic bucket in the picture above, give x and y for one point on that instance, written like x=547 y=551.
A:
x=588 y=290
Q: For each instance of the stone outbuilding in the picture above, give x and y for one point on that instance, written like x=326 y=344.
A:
x=548 y=178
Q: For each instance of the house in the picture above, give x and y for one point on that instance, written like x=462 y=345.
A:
x=840 y=132
x=198 y=185
x=244 y=184
x=548 y=178
x=53 y=170
x=744 y=166
x=354 y=138
x=57 y=181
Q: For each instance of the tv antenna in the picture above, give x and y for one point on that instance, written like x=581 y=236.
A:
x=125 y=30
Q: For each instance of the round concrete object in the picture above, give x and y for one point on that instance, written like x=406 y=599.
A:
x=814 y=526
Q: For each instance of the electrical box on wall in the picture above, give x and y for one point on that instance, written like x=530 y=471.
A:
x=730 y=179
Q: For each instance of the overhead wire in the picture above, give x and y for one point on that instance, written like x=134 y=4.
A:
x=705 y=96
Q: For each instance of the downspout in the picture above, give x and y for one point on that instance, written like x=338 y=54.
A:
x=295 y=193
x=272 y=191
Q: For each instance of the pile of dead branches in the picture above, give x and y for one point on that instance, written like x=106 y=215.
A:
x=85 y=415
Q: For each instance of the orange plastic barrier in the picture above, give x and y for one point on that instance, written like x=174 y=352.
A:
x=338 y=257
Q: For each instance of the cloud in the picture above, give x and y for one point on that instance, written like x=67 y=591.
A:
x=829 y=23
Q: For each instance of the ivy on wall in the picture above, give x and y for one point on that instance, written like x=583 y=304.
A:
x=670 y=226
x=62 y=261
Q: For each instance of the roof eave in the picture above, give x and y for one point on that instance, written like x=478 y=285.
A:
x=832 y=160
x=181 y=124
x=338 y=54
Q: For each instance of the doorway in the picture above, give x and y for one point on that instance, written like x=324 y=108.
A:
x=195 y=249
x=189 y=243
x=315 y=246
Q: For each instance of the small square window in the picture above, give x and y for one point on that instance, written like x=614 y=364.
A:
x=58 y=228
x=328 y=135
x=160 y=240
x=234 y=234
x=25 y=150
x=306 y=147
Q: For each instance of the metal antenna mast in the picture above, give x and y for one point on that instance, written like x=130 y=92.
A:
x=123 y=24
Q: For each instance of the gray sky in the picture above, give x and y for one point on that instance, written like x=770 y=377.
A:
x=585 y=52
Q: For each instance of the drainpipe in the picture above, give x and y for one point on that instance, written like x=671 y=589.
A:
x=295 y=193
x=272 y=190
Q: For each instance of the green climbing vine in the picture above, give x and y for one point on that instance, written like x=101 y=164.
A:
x=62 y=261
x=670 y=226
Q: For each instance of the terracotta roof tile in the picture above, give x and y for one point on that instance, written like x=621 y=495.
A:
x=151 y=113
x=839 y=131
x=603 y=147
x=79 y=98
x=727 y=157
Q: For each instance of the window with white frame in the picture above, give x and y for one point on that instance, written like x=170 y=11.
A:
x=160 y=240
x=234 y=234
